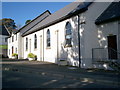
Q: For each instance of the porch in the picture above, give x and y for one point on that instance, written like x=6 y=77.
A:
x=106 y=58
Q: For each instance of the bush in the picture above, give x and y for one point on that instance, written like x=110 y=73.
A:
x=31 y=55
x=15 y=54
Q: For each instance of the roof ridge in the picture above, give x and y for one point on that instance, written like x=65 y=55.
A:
x=35 y=19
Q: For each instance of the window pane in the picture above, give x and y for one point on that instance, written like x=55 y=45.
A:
x=5 y=39
x=68 y=25
x=68 y=31
x=68 y=36
x=35 y=41
x=26 y=43
x=48 y=38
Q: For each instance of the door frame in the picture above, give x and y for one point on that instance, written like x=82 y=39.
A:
x=112 y=49
x=30 y=45
x=41 y=48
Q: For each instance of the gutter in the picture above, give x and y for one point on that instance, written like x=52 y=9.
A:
x=43 y=45
x=58 y=20
x=98 y=22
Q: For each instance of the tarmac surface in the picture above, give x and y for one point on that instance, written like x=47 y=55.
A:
x=109 y=78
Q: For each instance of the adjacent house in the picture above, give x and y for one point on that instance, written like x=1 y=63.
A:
x=4 y=34
x=82 y=33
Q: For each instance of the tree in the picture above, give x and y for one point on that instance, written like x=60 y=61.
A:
x=9 y=23
x=27 y=21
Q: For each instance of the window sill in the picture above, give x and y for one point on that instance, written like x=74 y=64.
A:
x=35 y=49
x=48 y=47
x=67 y=46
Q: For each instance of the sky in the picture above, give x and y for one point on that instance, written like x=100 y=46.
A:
x=22 y=11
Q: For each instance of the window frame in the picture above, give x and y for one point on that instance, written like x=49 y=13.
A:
x=48 y=39
x=35 y=41
x=68 y=35
x=5 y=39
x=12 y=49
x=26 y=44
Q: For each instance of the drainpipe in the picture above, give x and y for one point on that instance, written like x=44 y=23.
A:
x=57 y=45
x=79 y=41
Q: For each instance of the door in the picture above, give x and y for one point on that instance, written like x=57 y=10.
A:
x=41 y=48
x=112 y=47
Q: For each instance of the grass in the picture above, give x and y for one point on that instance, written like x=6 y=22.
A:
x=3 y=46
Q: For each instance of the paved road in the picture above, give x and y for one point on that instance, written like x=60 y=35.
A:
x=34 y=74
x=13 y=79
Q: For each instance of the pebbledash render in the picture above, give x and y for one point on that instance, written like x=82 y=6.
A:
x=80 y=33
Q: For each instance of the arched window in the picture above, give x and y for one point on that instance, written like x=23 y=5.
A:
x=68 y=34
x=26 y=44
x=48 y=38
x=35 y=41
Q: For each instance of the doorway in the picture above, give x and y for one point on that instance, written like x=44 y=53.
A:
x=112 y=47
x=30 y=45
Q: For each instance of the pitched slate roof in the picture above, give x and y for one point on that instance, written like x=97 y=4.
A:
x=62 y=14
x=110 y=14
x=14 y=31
x=3 y=31
x=35 y=21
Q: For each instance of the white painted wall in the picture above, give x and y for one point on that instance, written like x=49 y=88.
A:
x=15 y=45
x=88 y=32
x=89 y=38
x=65 y=53
x=35 y=51
x=105 y=30
x=50 y=54
x=95 y=36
